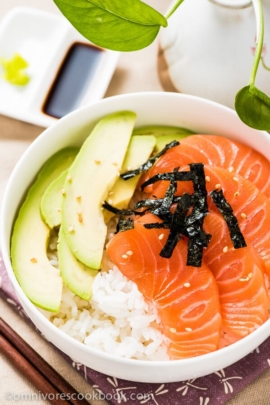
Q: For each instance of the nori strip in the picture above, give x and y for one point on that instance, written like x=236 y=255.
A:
x=177 y=227
x=195 y=253
x=198 y=239
x=197 y=169
x=149 y=163
x=148 y=203
x=164 y=208
x=117 y=211
x=158 y=225
x=228 y=215
x=151 y=204
x=124 y=224
x=170 y=176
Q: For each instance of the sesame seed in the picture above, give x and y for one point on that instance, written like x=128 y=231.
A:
x=244 y=279
x=33 y=260
x=114 y=163
x=173 y=330
x=125 y=256
x=69 y=179
x=110 y=193
x=59 y=210
x=250 y=275
x=231 y=169
x=243 y=215
x=225 y=249
x=71 y=228
x=97 y=162
x=236 y=194
x=80 y=218
x=110 y=201
x=187 y=285
x=78 y=197
x=63 y=191
x=188 y=329
x=129 y=253
x=161 y=236
x=207 y=178
x=218 y=185
x=235 y=179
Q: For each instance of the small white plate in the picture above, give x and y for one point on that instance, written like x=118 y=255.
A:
x=43 y=40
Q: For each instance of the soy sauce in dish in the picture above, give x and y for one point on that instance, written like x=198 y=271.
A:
x=73 y=77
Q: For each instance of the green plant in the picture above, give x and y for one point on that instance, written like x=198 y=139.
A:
x=251 y=104
x=131 y=25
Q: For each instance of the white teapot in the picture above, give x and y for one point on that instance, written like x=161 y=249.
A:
x=208 y=47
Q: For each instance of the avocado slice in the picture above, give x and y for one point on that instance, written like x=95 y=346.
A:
x=163 y=140
x=90 y=178
x=77 y=277
x=139 y=150
x=40 y=281
x=158 y=130
x=51 y=202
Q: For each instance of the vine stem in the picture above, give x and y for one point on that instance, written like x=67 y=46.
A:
x=264 y=64
x=257 y=4
x=174 y=7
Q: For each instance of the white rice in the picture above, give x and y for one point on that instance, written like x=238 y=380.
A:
x=116 y=320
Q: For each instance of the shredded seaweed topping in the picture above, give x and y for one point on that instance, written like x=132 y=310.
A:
x=149 y=203
x=117 y=211
x=149 y=163
x=228 y=215
x=124 y=224
x=190 y=225
x=158 y=225
x=177 y=225
x=164 y=209
x=182 y=215
x=170 y=176
x=198 y=239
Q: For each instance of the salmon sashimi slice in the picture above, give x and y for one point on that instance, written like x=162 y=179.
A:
x=250 y=206
x=186 y=297
x=216 y=151
x=239 y=274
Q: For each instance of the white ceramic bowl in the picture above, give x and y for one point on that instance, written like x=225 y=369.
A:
x=194 y=113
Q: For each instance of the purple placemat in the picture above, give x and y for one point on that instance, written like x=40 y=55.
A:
x=214 y=389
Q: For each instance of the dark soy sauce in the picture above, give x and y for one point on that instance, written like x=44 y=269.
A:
x=72 y=79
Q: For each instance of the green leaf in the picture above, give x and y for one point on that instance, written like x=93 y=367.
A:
x=120 y=25
x=253 y=108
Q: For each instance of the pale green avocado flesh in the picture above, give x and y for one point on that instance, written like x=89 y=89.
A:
x=51 y=202
x=139 y=150
x=77 y=277
x=90 y=178
x=40 y=281
x=158 y=130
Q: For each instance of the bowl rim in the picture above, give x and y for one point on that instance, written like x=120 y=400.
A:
x=263 y=331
